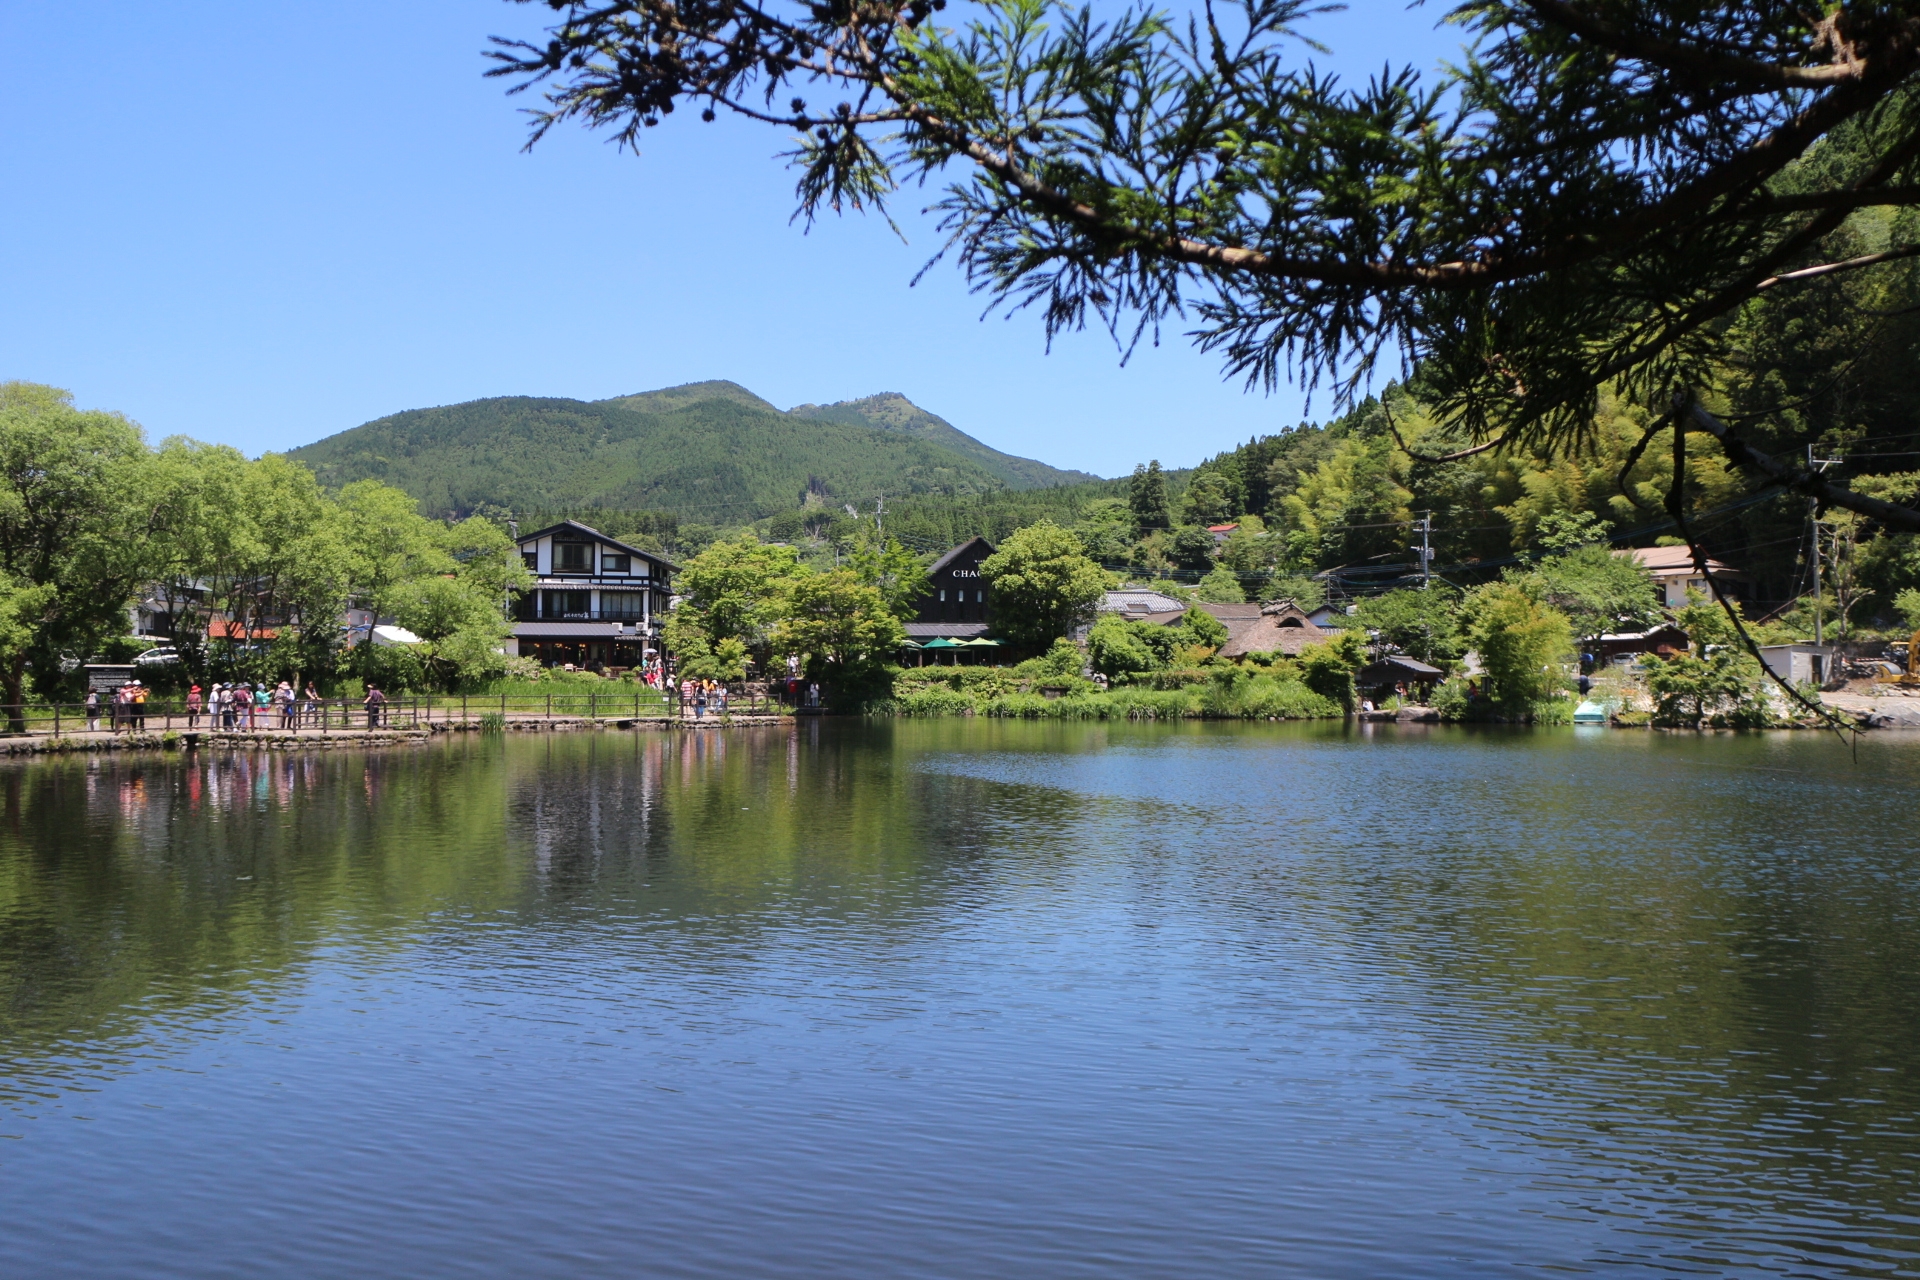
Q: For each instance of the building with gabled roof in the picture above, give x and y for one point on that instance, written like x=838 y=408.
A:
x=958 y=604
x=596 y=602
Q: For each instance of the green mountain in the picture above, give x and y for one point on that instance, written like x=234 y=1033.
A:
x=891 y=411
x=711 y=452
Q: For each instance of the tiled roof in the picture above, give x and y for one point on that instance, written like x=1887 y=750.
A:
x=951 y=630
x=1668 y=560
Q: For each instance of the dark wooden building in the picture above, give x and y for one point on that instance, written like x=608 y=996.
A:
x=958 y=603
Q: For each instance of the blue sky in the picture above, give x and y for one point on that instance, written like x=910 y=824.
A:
x=260 y=224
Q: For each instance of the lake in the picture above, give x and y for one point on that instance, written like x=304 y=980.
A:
x=967 y=998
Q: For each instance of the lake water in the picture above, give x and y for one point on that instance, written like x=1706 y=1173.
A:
x=963 y=998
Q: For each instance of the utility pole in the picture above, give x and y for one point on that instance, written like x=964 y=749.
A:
x=879 y=511
x=1813 y=518
x=1425 y=526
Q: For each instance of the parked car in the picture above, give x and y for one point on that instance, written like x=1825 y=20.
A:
x=164 y=656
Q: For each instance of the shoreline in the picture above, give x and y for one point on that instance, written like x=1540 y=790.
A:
x=105 y=741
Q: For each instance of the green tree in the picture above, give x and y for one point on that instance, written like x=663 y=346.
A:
x=844 y=628
x=1211 y=498
x=1043 y=587
x=1221 y=586
x=1651 y=169
x=1198 y=627
x=1115 y=648
x=1328 y=667
x=1714 y=678
x=1907 y=604
x=734 y=590
x=1424 y=625
x=74 y=517
x=1522 y=642
x=897 y=574
x=1147 y=498
x=1105 y=530
x=1598 y=591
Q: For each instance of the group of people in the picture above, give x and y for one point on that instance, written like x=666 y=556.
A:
x=243 y=706
x=701 y=694
x=126 y=707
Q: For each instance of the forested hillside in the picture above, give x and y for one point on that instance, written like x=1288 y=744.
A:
x=891 y=411
x=710 y=452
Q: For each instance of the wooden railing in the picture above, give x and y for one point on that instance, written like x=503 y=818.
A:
x=419 y=711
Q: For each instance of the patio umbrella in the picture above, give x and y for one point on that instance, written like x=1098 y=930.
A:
x=941 y=642
x=980 y=642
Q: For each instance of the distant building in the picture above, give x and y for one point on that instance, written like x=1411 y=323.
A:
x=958 y=604
x=1137 y=602
x=1279 y=627
x=1663 y=641
x=596 y=602
x=1674 y=573
x=1221 y=532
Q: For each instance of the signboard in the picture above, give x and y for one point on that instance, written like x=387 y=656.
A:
x=104 y=677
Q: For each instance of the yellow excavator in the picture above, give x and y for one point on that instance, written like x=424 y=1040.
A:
x=1911 y=676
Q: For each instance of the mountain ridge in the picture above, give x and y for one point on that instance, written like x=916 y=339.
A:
x=709 y=451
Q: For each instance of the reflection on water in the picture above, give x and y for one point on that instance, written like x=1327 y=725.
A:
x=966 y=998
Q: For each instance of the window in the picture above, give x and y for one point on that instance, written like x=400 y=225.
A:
x=532 y=560
x=614 y=562
x=943 y=595
x=622 y=604
x=573 y=557
x=567 y=604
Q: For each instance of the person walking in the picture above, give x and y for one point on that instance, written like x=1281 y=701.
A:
x=283 y=695
x=193 y=707
x=93 y=711
x=118 y=718
x=686 y=694
x=312 y=708
x=700 y=699
x=373 y=702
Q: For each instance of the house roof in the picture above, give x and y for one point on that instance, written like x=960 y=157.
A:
x=1223 y=528
x=574 y=526
x=1399 y=667
x=1138 y=600
x=954 y=554
x=1279 y=627
x=1670 y=561
x=951 y=630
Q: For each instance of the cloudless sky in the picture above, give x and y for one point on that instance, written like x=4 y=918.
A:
x=260 y=224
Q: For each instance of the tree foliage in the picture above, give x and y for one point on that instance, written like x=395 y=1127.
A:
x=1523 y=645
x=1581 y=203
x=1043 y=586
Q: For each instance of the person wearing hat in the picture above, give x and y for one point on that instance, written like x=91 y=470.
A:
x=193 y=707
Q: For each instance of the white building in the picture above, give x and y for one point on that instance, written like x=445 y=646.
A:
x=1675 y=573
x=596 y=602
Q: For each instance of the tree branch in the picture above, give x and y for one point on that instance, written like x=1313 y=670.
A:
x=1697 y=62
x=1811 y=483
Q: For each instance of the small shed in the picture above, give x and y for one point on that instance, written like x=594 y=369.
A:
x=1389 y=674
x=1799 y=663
